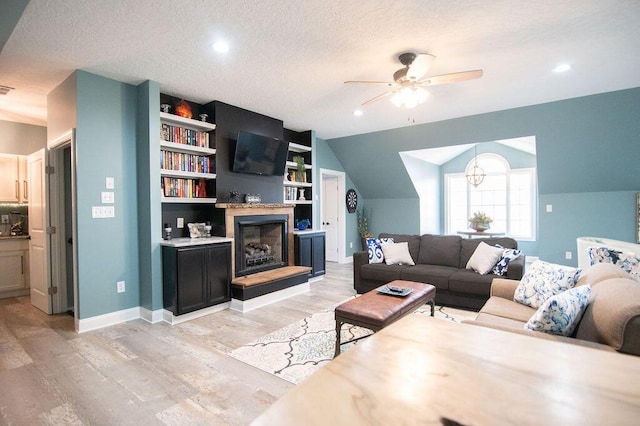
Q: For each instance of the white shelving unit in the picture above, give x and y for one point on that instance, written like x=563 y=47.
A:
x=187 y=123
x=292 y=187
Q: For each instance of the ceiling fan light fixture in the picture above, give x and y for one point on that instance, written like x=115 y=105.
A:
x=409 y=96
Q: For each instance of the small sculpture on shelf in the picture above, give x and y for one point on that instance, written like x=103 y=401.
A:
x=301 y=195
x=233 y=196
x=165 y=108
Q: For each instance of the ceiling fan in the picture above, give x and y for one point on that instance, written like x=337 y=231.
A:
x=409 y=82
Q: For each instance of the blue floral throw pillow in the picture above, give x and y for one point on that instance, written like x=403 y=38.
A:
x=375 y=249
x=507 y=256
x=627 y=261
x=561 y=313
x=543 y=280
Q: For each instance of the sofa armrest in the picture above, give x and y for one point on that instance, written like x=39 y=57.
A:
x=505 y=288
x=359 y=258
x=515 y=270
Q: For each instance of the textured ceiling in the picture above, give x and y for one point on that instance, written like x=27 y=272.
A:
x=288 y=59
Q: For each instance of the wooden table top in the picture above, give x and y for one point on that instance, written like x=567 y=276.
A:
x=421 y=369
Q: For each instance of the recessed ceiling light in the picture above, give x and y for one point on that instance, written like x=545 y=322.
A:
x=562 y=68
x=357 y=112
x=221 y=47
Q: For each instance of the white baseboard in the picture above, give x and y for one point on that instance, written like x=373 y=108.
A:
x=14 y=293
x=267 y=299
x=167 y=316
x=152 y=317
x=112 y=318
x=315 y=279
x=348 y=259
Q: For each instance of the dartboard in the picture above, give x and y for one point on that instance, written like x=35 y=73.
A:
x=352 y=201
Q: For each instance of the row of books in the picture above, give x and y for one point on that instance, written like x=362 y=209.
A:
x=184 y=188
x=170 y=160
x=290 y=193
x=181 y=135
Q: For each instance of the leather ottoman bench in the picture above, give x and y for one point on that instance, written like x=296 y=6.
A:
x=375 y=311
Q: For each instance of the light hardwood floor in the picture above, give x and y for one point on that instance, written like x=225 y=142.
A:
x=142 y=374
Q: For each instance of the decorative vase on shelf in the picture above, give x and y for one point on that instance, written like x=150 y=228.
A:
x=480 y=227
x=301 y=195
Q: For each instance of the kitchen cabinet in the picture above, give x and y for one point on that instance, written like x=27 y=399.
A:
x=13 y=178
x=196 y=277
x=14 y=264
x=310 y=251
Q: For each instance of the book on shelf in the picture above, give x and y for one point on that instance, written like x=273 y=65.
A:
x=184 y=136
x=183 y=188
x=170 y=160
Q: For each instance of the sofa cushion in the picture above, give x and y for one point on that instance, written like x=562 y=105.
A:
x=468 y=246
x=503 y=308
x=381 y=272
x=543 y=280
x=484 y=258
x=502 y=322
x=442 y=250
x=627 y=261
x=561 y=313
x=374 y=249
x=613 y=316
x=397 y=254
x=412 y=240
x=470 y=282
x=435 y=275
x=601 y=272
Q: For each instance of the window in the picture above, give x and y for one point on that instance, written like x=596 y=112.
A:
x=506 y=195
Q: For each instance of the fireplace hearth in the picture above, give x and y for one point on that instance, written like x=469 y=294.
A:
x=261 y=243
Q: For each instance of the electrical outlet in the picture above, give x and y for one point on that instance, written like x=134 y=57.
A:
x=120 y=286
x=568 y=255
x=5 y=218
x=180 y=223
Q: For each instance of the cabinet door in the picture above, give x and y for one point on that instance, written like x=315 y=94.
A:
x=9 y=182
x=23 y=187
x=12 y=265
x=318 y=253
x=192 y=277
x=303 y=251
x=219 y=273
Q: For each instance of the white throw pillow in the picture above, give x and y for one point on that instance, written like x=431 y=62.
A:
x=543 y=280
x=397 y=254
x=484 y=258
x=561 y=313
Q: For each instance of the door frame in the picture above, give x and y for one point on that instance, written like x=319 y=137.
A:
x=57 y=219
x=341 y=210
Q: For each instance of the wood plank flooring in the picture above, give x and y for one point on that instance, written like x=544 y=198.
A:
x=142 y=374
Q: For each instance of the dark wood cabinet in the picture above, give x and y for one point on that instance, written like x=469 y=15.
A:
x=196 y=277
x=310 y=251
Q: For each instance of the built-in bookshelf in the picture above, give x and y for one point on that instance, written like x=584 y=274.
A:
x=297 y=185
x=187 y=160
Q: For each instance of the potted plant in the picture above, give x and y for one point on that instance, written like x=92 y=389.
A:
x=480 y=222
x=363 y=227
x=301 y=175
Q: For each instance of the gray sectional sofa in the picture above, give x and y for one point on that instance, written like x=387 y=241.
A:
x=440 y=260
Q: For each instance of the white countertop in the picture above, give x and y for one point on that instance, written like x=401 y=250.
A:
x=187 y=242
x=308 y=231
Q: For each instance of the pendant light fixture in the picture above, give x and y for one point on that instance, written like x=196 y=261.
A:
x=475 y=175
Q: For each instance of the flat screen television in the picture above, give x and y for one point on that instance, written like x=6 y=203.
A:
x=260 y=155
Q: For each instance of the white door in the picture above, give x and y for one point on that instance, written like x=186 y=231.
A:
x=38 y=244
x=330 y=216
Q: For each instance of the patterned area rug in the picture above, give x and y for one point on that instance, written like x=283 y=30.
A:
x=294 y=352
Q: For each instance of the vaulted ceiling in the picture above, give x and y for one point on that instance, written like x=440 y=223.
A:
x=289 y=59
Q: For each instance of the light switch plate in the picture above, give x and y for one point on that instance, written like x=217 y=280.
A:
x=107 y=197
x=120 y=285
x=102 y=212
x=180 y=223
x=549 y=208
x=110 y=183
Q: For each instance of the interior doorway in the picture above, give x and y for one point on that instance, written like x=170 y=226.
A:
x=332 y=215
x=62 y=214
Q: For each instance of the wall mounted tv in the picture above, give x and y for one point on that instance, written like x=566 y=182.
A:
x=260 y=155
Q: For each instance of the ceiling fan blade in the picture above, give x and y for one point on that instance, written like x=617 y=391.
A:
x=369 y=82
x=377 y=98
x=451 y=78
x=420 y=66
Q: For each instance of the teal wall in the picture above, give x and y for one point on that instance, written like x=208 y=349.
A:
x=325 y=159
x=149 y=215
x=106 y=146
x=587 y=148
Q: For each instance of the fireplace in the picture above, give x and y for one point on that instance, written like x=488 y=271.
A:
x=261 y=243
